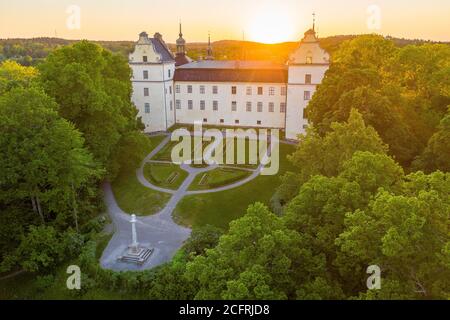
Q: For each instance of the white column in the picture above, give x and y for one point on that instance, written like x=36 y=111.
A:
x=135 y=243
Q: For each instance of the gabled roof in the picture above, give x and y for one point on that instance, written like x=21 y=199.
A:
x=161 y=48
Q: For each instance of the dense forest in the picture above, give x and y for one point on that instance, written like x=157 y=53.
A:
x=371 y=184
x=29 y=52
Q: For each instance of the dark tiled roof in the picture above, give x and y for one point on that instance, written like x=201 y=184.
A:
x=160 y=48
x=181 y=59
x=232 y=71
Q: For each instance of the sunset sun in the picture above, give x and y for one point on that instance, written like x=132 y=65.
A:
x=271 y=25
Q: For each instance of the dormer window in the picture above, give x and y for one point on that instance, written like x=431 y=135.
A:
x=144 y=58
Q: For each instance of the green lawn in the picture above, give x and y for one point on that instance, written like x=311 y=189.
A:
x=222 y=207
x=133 y=197
x=217 y=178
x=165 y=153
x=165 y=175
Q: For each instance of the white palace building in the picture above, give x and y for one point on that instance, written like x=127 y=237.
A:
x=172 y=89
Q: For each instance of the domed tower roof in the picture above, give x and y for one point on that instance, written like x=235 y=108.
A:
x=180 y=40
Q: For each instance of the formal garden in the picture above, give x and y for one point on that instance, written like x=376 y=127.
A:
x=198 y=207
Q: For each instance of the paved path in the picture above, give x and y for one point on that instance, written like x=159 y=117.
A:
x=158 y=231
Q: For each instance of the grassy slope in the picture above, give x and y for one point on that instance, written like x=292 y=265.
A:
x=133 y=197
x=222 y=207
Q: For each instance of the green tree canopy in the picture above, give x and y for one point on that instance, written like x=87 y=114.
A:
x=93 y=90
x=14 y=75
x=44 y=160
x=259 y=258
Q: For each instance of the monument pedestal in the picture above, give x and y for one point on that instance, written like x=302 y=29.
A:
x=137 y=255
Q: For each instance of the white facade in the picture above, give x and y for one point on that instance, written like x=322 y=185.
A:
x=231 y=104
x=228 y=93
x=153 y=70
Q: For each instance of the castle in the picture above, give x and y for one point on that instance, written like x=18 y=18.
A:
x=171 y=88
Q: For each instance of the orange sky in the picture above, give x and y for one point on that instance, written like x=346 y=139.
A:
x=258 y=20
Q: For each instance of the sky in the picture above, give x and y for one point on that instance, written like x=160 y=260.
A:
x=267 y=21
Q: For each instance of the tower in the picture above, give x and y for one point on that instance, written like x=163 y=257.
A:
x=153 y=67
x=209 y=53
x=307 y=66
x=181 y=57
x=181 y=43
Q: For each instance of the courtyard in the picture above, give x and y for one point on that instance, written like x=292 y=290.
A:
x=171 y=199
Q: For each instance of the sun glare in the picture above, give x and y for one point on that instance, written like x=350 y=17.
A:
x=271 y=25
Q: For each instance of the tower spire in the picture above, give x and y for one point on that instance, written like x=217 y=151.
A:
x=181 y=43
x=314 y=21
x=209 y=54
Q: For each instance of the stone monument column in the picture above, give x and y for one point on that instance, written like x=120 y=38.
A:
x=134 y=244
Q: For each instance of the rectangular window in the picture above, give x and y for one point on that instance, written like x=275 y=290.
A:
x=260 y=106
x=258 y=122
x=145 y=74
x=260 y=91
x=189 y=89
x=202 y=105
x=178 y=104
x=190 y=104
x=147 y=108
x=177 y=88
x=144 y=58
x=205 y=120
x=222 y=120
x=249 y=91
x=233 y=106
x=307 y=79
x=202 y=89
x=171 y=105
x=249 y=106
x=236 y=121
x=271 y=91
x=282 y=107
x=146 y=92
x=233 y=90
x=215 y=105
x=283 y=91
x=307 y=95
x=215 y=89
x=271 y=107
x=170 y=89
x=169 y=73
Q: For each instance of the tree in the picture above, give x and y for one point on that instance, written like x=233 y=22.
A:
x=202 y=238
x=93 y=90
x=14 y=75
x=319 y=209
x=436 y=155
x=258 y=258
x=404 y=235
x=402 y=93
x=43 y=159
x=317 y=155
